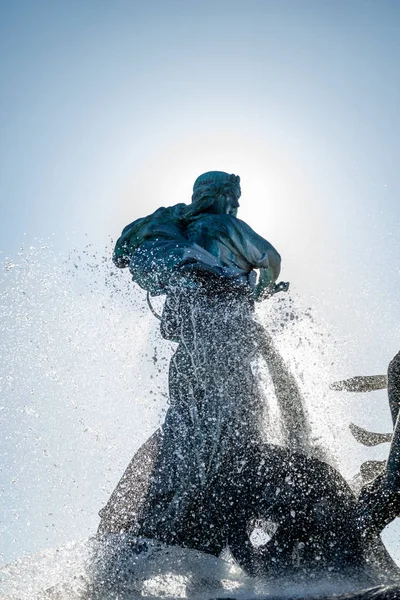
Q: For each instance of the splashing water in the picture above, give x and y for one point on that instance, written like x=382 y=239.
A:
x=307 y=352
x=131 y=569
x=84 y=383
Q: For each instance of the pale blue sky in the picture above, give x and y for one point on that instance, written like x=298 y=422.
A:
x=92 y=90
x=109 y=109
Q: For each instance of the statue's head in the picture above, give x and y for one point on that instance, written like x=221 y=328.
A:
x=216 y=192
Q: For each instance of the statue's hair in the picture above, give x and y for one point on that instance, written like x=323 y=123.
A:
x=206 y=188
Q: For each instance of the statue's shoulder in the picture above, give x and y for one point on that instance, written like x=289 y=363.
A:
x=164 y=222
x=161 y=215
x=169 y=213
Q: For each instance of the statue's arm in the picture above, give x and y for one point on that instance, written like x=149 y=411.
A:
x=274 y=264
x=265 y=285
x=260 y=253
x=266 y=258
x=268 y=276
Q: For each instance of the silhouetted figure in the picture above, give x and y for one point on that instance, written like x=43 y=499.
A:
x=203 y=258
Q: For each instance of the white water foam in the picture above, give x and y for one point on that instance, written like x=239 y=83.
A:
x=122 y=567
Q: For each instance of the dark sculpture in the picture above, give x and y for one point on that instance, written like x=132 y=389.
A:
x=380 y=497
x=203 y=258
x=208 y=474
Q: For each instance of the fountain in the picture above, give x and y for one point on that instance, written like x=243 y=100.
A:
x=176 y=509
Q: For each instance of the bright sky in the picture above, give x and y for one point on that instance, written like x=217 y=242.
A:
x=109 y=110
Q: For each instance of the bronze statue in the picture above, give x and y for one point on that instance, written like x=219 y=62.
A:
x=208 y=473
x=204 y=259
